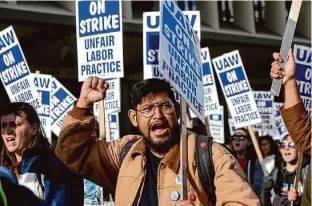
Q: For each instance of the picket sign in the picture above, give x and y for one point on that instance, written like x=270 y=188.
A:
x=180 y=65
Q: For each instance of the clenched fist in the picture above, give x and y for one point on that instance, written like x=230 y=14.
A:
x=93 y=90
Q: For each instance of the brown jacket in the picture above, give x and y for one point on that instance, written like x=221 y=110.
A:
x=298 y=124
x=100 y=163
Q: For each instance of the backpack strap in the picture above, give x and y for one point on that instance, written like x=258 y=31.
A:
x=124 y=151
x=205 y=167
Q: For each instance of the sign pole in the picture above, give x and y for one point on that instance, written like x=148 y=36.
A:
x=207 y=126
x=108 y=136
x=102 y=120
x=298 y=172
x=286 y=43
x=183 y=148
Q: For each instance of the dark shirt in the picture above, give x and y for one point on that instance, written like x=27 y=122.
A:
x=149 y=194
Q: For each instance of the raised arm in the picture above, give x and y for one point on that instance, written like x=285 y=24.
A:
x=295 y=116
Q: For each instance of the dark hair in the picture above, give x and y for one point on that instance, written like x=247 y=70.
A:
x=273 y=146
x=148 y=86
x=27 y=112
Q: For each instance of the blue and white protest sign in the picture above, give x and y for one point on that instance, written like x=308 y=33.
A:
x=112 y=101
x=62 y=101
x=151 y=28
x=236 y=89
x=14 y=70
x=180 y=57
x=264 y=101
x=99 y=38
x=43 y=83
x=93 y=194
x=303 y=57
x=112 y=127
x=216 y=125
x=280 y=128
x=211 y=99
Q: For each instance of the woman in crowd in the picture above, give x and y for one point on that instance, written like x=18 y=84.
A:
x=282 y=178
x=29 y=156
x=247 y=158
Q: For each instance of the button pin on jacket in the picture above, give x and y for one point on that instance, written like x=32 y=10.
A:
x=174 y=196
x=192 y=197
x=179 y=179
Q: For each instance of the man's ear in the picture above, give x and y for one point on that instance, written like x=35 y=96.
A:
x=177 y=109
x=133 y=117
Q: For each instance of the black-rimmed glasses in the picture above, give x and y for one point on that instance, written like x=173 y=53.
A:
x=149 y=110
x=239 y=137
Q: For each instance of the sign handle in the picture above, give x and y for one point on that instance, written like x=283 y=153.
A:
x=207 y=126
x=37 y=72
x=102 y=120
x=183 y=148
x=286 y=42
x=259 y=154
x=107 y=117
x=298 y=169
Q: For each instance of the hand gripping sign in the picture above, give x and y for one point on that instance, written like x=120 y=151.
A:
x=62 y=101
x=43 y=83
x=180 y=58
x=151 y=29
x=14 y=70
x=236 y=89
x=99 y=38
x=303 y=57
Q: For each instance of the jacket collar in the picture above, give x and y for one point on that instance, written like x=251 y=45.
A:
x=171 y=159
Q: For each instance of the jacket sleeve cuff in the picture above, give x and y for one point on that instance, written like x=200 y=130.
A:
x=298 y=109
x=80 y=113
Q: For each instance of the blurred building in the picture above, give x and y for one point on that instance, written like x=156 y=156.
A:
x=46 y=31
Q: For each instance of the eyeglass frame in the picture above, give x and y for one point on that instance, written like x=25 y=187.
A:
x=239 y=137
x=154 y=108
x=283 y=145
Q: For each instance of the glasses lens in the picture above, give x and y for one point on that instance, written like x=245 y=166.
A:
x=291 y=145
x=166 y=108
x=239 y=137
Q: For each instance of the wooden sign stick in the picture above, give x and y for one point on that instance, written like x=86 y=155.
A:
x=207 y=126
x=108 y=138
x=298 y=171
x=102 y=120
x=286 y=43
x=259 y=154
x=183 y=148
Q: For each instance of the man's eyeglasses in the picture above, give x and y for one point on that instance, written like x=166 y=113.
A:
x=283 y=145
x=239 y=137
x=149 y=110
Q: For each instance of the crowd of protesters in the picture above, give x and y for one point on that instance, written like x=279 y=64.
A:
x=32 y=173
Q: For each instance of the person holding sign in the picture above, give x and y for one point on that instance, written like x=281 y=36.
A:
x=295 y=116
x=149 y=173
x=29 y=156
x=282 y=178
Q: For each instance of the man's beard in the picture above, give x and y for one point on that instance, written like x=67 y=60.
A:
x=164 y=147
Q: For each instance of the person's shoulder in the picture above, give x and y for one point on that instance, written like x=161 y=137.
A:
x=128 y=138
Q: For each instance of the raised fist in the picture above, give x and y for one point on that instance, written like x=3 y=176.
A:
x=93 y=90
